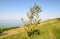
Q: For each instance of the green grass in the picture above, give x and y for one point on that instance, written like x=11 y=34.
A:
x=6 y=29
x=44 y=30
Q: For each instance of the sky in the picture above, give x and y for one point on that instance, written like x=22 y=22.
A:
x=15 y=9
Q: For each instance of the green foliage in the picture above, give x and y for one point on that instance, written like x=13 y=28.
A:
x=27 y=24
x=33 y=16
x=34 y=13
x=1 y=30
x=36 y=31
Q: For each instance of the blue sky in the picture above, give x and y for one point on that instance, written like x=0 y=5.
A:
x=15 y=9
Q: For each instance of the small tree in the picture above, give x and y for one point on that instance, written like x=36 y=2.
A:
x=34 y=12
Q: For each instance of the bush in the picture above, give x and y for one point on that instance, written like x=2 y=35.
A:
x=1 y=30
x=36 y=32
x=27 y=24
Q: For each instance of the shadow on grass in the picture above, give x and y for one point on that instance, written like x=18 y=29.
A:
x=3 y=34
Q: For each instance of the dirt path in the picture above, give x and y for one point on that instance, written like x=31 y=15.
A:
x=12 y=31
x=51 y=34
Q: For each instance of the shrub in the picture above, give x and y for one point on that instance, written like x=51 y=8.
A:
x=36 y=32
x=1 y=30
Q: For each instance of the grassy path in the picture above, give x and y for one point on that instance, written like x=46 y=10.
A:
x=51 y=34
x=12 y=31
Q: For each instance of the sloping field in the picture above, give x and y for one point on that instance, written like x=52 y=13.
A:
x=50 y=29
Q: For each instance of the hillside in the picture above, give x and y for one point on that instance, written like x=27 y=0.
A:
x=49 y=29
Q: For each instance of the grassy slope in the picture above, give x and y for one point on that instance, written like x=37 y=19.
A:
x=6 y=29
x=49 y=29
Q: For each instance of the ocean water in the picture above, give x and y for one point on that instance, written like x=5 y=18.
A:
x=10 y=23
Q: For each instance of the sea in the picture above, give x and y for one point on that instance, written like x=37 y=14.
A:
x=10 y=23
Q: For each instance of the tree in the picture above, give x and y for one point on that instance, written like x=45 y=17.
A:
x=34 y=13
